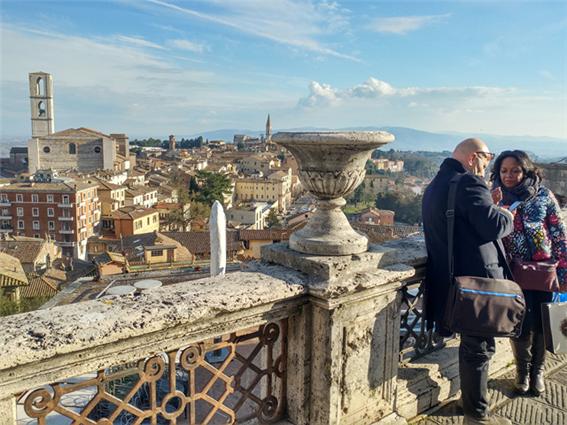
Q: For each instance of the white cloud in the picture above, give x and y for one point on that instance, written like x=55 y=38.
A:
x=187 y=45
x=404 y=24
x=322 y=95
x=138 y=41
x=288 y=22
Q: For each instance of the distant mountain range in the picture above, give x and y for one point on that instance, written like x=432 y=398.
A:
x=545 y=148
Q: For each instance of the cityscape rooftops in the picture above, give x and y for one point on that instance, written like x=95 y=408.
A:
x=133 y=212
x=49 y=186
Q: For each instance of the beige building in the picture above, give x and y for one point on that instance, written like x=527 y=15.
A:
x=112 y=197
x=255 y=164
x=131 y=220
x=274 y=188
x=388 y=165
x=250 y=216
x=141 y=196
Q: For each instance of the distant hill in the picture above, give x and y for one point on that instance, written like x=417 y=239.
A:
x=546 y=148
x=416 y=140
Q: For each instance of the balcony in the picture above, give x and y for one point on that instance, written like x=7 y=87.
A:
x=312 y=339
x=5 y=203
x=65 y=244
x=5 y=217
x=65 y=218
x=69 y=205
x=66 y=231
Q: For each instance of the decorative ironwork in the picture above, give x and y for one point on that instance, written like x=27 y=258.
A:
x=415 y=339
x=225 y=380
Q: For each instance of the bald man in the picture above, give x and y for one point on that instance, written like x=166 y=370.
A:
x=479 y=226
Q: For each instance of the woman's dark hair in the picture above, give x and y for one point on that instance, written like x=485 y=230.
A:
x=528 y=166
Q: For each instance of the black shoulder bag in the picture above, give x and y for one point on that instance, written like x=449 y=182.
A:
x=480 y=306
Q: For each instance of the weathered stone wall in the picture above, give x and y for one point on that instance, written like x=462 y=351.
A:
x=46 y=346
x=86 y=157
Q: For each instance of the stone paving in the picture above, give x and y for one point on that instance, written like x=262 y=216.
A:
x=548 y=409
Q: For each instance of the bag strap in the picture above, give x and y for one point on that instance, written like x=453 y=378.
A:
x=450 y=214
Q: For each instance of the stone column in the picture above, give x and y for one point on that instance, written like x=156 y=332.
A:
x=344 y=348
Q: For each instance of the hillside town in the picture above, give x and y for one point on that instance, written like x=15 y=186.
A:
x=79 y=203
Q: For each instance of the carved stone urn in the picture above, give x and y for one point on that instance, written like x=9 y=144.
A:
x=331 y=165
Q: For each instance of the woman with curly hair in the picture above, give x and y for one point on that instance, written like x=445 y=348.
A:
x=539 y=235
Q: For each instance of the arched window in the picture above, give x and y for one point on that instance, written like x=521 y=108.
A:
x=40 y=87
x=72 y=148
x=41 y=109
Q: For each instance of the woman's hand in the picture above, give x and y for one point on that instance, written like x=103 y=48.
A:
x=496 y=195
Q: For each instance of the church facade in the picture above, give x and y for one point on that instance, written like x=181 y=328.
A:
x=81 y=148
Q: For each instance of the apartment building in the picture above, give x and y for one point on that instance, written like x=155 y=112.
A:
x=274 y=188
x=67 y=213
x=134 y=221
x=141 y=196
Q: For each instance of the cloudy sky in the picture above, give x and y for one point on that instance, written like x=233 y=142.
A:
x=159 y=67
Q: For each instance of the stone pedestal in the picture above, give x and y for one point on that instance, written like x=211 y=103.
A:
x=344 y=347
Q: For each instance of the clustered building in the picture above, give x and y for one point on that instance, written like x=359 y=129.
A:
x=78 y=186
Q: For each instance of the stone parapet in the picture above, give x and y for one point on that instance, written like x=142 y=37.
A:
x=45 y=346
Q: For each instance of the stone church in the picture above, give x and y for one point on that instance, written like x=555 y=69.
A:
x=81 y=149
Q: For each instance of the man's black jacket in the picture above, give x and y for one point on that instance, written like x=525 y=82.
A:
x=478 y=224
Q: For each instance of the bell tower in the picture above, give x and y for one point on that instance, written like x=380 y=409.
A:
x=41 y=101
x=268 y=130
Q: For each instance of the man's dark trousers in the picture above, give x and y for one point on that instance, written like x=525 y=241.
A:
x=474 y=357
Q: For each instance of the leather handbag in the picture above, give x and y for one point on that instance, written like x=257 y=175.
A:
x=536 y=275
x=480 y=306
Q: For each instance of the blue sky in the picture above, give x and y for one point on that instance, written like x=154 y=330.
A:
x=159 y=67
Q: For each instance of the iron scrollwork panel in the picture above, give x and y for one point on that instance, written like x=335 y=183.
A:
x=415 y=339
x=226 y=380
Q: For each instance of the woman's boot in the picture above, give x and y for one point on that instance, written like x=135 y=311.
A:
x=537 y=384
x=522 y=356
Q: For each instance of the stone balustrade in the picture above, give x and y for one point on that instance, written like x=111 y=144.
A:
x=309 y=339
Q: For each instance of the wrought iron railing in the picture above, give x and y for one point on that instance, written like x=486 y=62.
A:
x=415 y=339
x=230 y=379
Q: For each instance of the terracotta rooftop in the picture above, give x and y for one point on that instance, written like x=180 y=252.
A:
x=48 y=187
x=24 y=248
x=132 y=212
x=11 y=272
x=44 y=285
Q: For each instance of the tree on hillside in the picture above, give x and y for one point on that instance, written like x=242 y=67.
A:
x=407 y=206
x=272 y=220
x=211 y=187
x=199 y=210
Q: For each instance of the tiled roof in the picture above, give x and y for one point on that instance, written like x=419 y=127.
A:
x=11 y=272
x=78 y=132
x=132 y=212
x=44 y=285
x=48 y=187
x=198 y=243
x=25 y=250
x=107 y=185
